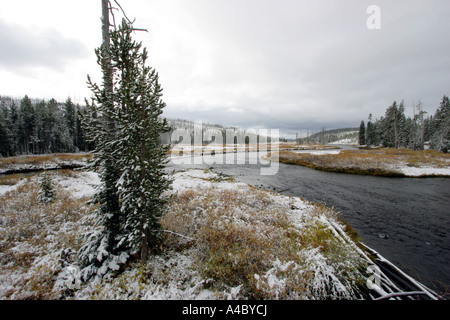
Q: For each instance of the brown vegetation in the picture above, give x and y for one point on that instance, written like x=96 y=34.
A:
x=31 y=236
x=247 y=239
x=377 y=162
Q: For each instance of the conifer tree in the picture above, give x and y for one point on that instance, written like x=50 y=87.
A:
x=395 y=130
x=362 y=133
x=5 y=143
x=70 y=119
x=13 y=121
x=47 y=192
x=126 y=127
x=440 y=138
x=26 y=125
x=139 y=107
x=5 y=134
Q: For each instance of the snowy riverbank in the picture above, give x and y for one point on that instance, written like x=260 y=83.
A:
x=33 y=236
x=33 y=163
x=222 y=240
x=377 y=162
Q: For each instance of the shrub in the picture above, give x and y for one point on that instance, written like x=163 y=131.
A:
x=47 y=190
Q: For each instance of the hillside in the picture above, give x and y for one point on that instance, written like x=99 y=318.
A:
x=227 y=135
x=334 y=136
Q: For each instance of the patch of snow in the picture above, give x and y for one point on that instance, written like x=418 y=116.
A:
x=194 y=179
x=81 y=185
x=423 y=171
x=5 y=189
x=318 y=152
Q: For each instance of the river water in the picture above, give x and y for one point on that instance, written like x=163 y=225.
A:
x=407 y=220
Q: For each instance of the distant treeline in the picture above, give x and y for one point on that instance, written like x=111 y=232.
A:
x=35 y=126
x=38 y=126
x=332 y=135
x=395 y=130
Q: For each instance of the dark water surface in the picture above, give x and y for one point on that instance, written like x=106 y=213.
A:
x=407 y=220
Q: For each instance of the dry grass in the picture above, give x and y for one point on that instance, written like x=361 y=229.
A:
x=381 y=162
x=181 y=150
x=31 y=236
x=12 y=179
x=41 y=160
x=249 y=242
x=295 y=146
x=247 y=239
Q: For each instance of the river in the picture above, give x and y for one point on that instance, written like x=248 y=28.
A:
x=407 y=220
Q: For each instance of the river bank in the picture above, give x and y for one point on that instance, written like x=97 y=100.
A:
x=237 y=242
x=224 y=240
x=405 y=219
x=81 y=185
x=375 y=162
x=35 y=163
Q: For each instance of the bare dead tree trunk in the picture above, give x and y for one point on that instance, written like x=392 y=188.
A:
x=105 y=37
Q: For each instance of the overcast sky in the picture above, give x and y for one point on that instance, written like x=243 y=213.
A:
x=276 y=64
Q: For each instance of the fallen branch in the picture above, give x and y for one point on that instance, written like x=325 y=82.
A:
x=177 y=234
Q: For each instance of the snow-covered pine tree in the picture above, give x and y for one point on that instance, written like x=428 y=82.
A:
x=362 y=133
x=139 y=107
x=126 y=126
x=440 y=139
x=101 y=252
x=392 y=127
x=47 y=191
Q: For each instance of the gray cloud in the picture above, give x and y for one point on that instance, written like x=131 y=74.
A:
x=23 y=48
x=302 y=64
x=287 y=64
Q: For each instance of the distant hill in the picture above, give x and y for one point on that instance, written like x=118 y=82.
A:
x=229 y=135
x=233 y=134
x=334 y=136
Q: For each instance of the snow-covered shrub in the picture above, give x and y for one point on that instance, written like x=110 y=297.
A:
x=47 y=191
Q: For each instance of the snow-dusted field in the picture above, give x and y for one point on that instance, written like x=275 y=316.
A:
x=33 y=236
x=286 y=248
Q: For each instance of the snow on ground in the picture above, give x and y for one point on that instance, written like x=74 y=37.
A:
x=423 y=171
x=80 y=185
x=43 y=161
x=7 y=188
x=194 y=179
x=317 y=152
x=177 y=276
